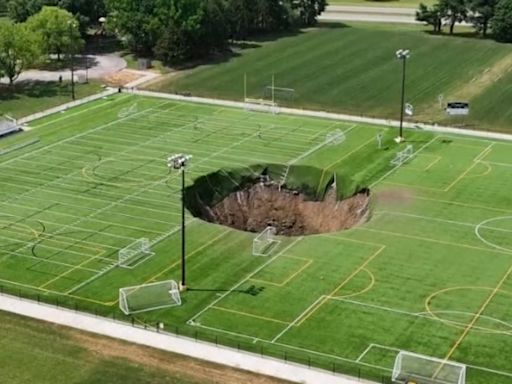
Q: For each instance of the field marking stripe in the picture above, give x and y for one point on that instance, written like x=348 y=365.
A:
x=473 y=165
x=361 y=356
x=476 y=206
x=289 y=246
x=350 y=153
x=248 y=314
x=345 y=282
x=474 y=320
x=398 y=166
x=433 y=240
x=282 y=284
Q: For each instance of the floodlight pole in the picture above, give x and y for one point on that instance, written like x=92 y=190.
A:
x=72 y=24
x=402 y=55
x=179 y=162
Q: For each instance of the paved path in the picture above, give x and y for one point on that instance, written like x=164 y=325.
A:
x=182 y=345
x=98 y=67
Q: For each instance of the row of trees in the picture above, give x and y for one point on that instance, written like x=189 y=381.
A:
x=484 y=15
x=179 y=30
x=50 y=31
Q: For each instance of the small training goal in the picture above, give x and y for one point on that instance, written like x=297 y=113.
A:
x=149 y=297
x=261 y=105
x=403 y=156
x=265 y=243
x=135 y=253
x=411 y=368
x=125 y=112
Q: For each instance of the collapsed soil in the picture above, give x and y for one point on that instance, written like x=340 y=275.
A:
x=290 y=212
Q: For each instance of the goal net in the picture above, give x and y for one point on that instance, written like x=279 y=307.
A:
x=413 y=368
x=265 y=242
x=335 y=137
x=278 y=93
x=261 y=105
x=403 y=156
x=149 y=297
x=135 y=253
x=8 y=125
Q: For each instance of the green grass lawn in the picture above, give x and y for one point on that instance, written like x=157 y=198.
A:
x=430 y=272
x=27 y=98
x=352 y=69
x=38 y=352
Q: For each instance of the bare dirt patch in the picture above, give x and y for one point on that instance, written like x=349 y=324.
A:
x=177 y=365
x=257 y=206
x=121 y=78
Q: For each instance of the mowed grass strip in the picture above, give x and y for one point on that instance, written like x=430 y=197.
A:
x=352 y=68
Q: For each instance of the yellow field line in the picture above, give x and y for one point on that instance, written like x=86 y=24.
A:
x=249 y=315
x=353 y=240
x=475 y=162
x=308 y=263
x=433 y=240
x=345 y=282
x=364 y=290
x=438 y=158
x=474 y=320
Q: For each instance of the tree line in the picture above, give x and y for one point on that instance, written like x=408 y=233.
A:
x=484 y=15
x=180 y=30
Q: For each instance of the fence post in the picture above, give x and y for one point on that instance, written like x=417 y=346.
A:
x=334 y=367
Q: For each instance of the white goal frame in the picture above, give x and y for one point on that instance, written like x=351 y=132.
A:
x=261 y=105
x=125 y=112
x=134 y=254
x=265 y=242
x=149 y=297
x=403 y=156
x=411 y=367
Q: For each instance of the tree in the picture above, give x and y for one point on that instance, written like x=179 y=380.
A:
x=455 y=10
x=21 y=10
x=19 y=48
x=482 y=13
x=58 y=30
x=309 y=10
x=502 y=21
x=430 y=15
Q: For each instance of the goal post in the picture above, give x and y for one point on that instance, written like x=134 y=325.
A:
x=135 y=253
x=403 y=156
x=149 y=297
x=414 y=368
x=265 y=242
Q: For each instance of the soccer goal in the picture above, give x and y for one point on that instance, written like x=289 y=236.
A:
x=8 y=125
x=403 y=156
x=261 y=105
x=149 y=297
x=413 y=368
x=125 y=112
x=278 y=93
x=335 y=137
x=135 y=253
x=265 y=243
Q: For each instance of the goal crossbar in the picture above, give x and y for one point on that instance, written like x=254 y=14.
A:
x=149 y=297
x=265 y=242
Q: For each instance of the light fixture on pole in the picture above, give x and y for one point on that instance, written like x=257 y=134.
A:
x=402 y=54
x=72 y=24
x=179 y=162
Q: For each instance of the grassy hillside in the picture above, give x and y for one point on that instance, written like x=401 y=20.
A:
x=353 y=69
x=37 y=352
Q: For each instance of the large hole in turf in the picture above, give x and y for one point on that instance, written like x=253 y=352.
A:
x=296 y=200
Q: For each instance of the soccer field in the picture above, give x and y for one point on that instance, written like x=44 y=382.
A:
x=430 y=272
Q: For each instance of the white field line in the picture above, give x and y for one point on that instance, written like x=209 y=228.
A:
x=77 y=136
x=111 y=223
x=363 y=354
x=108 y=268
x=495 y=163
x=296 y=319
x=70 y=115
x=289 y=246
x=398 y=166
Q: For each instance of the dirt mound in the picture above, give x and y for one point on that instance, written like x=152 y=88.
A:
x=255 y=207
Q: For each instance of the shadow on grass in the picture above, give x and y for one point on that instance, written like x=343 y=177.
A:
x=466 y=34
x=33 y=89
x=80 y=62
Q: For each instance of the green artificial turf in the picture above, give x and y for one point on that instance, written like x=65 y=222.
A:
x=352 y=69
x=428 y=273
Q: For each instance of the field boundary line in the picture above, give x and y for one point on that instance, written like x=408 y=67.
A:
x=474 y=320
x=364 y=290
x=248 y=314
x=361 y=356
x=251 y=274
x=475 y=206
